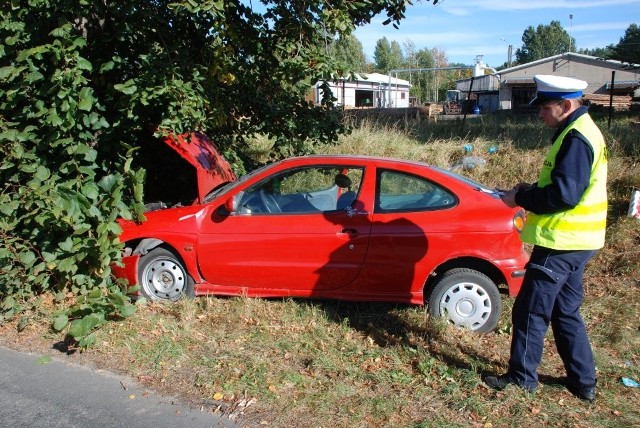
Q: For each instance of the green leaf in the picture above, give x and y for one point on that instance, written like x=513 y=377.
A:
x=43 y=359
x=7 y=208
x=60 y=31
x=82 y=327
x=60 y=322
x=81 y=229
x=94 y=212
x=127 y=311
x=42 y=173
x=94 y=294
x=68 y=265
x=87 y=341
x=84 y=64
x=66 y=245
x=27 y=258
x=86 y=99
x=117 y=299
x=8 y=303
x=22 y=324
x=54 y=119
x=127 y=87
x=48 y=257
x=34 y=76
x=107 y=66
x=91 y=155
x=91 y=191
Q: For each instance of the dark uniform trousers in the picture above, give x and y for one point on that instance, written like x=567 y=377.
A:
x=551 y=293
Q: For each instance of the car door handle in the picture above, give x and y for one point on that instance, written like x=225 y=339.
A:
x=349 y=232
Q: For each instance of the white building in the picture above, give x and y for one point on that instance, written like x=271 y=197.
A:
x=367 y=90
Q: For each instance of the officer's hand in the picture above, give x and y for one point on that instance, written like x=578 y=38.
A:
x=509 y=198
x=521 y=186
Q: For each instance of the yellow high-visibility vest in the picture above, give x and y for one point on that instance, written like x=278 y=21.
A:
x=582 y=227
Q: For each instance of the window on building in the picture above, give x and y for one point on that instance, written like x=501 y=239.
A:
x=520 y=97
x=364 y=98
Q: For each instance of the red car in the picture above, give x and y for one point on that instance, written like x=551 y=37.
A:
x=342 y=227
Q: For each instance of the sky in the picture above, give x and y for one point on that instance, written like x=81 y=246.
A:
x=465 y=29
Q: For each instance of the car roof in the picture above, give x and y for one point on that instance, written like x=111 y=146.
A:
x=346 y=158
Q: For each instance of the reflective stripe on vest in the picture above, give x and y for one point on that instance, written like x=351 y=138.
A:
x=582 y=227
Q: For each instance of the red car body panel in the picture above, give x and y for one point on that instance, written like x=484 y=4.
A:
x=356 y=254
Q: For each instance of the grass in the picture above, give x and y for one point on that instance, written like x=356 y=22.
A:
x=313 y=363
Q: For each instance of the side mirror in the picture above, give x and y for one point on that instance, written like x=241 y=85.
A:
x=226 y=209
x=230 y=205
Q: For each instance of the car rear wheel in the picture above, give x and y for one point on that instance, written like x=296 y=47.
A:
x=467 y=298
x=163 y=276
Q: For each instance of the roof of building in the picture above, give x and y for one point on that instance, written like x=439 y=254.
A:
x=376 y=78
x=382 y=78
x=518 y=80
x=509 y=76
x=568 y=55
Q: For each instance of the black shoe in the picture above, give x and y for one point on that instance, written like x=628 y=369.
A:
x=586 y=393
x=500 y=382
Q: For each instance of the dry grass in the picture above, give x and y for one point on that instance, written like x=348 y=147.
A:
x=302 y=363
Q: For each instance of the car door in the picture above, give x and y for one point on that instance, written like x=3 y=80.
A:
x=406 y=230
x=287 y=233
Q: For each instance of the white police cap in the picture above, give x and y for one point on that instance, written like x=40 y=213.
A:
x=552 y=88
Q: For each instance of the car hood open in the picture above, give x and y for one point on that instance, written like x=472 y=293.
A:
x=180 y=169
x=212 y=169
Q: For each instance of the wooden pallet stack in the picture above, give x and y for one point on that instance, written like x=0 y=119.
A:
x=620 y=102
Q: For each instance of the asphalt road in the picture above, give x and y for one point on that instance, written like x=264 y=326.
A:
x=38 y=392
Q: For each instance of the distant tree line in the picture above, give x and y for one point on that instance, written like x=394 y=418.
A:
x=537 y=43
x=389 y=56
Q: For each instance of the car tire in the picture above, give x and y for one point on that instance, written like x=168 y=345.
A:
x=467 y=298
x=163 y=277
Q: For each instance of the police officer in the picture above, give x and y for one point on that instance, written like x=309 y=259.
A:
x=566 y=219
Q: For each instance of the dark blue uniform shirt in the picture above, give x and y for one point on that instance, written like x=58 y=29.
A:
x=569 y=178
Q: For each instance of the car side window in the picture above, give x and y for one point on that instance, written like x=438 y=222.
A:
x=398 y=191
x=303 y=190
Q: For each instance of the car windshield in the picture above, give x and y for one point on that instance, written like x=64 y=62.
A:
x=231 y=184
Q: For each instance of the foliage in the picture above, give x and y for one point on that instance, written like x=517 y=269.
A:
x=59 y=198
x=427 y=86
x=543 y=41
x=421 y=86
x=628 y=49
x=348 y=50
x=79 y=80
x=387 y=56
x=605 y=52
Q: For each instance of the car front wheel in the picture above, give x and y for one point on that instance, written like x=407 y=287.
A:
x=467 y=298
x=163 y=276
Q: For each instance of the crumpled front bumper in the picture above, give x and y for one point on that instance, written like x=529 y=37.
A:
x=129 y=270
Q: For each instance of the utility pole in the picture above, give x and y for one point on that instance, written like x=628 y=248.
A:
x=509 y=52
x=570 y=30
